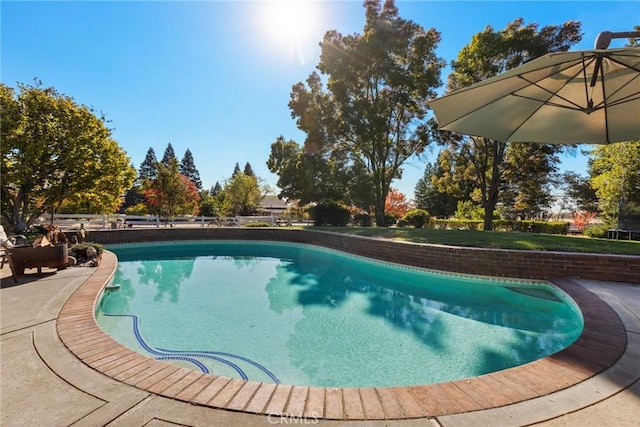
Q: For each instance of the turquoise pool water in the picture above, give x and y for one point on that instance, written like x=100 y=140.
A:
x=303 y=315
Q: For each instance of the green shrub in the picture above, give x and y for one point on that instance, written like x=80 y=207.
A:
x=258 y=224
x=210 y=207
x=330 y=214
x=363 y=220
x=458 y=224
x=554 y=227
x=469 y=210
x=389 y=220
x=546 y=227
x=440 y=224
x=402 y=223
x=139 y=209
x=80 y=250
x=596 y=231
x=417 y=218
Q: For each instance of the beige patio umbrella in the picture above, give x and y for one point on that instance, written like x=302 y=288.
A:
x=590 y=96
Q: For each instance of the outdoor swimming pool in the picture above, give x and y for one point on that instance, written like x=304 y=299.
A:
x=304 y=315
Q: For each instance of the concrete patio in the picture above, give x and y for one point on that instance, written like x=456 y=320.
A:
x=44 y=384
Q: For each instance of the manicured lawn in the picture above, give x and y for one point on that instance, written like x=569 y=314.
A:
x=495 y=239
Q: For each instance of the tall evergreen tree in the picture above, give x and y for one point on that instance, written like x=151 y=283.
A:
x=236 y=170
x=215 y=189
x=427 y=196
x=188 y=169
x=582 y=196
x=169 y=154
x=529 y=171
x=148 y=168
x=248 y=170
x=133 y=195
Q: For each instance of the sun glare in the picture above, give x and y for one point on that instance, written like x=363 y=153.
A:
x=291 y=24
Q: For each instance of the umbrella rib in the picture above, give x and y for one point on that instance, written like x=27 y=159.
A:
x=565 y=66
x=584 y=74
x=599 y=68
x=552 y=104
x=492 y=80
x=630 y=97
x=599 y=106
x=590 y=107
x=624 y=64
x=522 y=122
x=534 y=83
x=604 y=96
x=578 y=107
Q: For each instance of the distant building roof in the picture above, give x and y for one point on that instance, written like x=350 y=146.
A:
x=272 y=205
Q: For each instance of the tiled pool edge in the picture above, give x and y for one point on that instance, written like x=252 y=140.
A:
x=601 y=344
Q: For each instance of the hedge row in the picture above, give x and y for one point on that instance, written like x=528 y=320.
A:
x=338 y=215
x=547 y=227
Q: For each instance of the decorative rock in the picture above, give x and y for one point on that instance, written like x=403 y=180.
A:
x=91 y=252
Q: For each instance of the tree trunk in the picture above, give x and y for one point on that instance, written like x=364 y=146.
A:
x=380 y=219
x=488 y=217
x=494 y=184
x=19 y=222
x=490 y=205
x=382 y=191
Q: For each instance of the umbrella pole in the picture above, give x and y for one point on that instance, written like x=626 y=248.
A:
x=620 y=202
x=604 y=38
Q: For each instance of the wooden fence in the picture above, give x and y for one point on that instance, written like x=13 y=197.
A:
x=68 y=222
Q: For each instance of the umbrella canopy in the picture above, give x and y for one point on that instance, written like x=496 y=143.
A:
x=590 y=96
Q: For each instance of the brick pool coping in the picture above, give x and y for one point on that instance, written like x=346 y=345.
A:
x=600 y=345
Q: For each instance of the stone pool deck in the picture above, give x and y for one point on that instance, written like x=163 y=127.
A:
x=58 y=370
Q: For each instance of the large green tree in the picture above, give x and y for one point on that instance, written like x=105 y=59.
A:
x=56 y=150
x=242 y=195
x=171 y=193
x=373 y=108
x=307 y=177
x=488 y=54
x=529 y=172
x=615 y=176
x=578 y=192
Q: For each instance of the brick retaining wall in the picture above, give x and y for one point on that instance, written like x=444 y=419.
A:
x=491 y=262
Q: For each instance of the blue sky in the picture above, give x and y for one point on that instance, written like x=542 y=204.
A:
x=215 y=76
